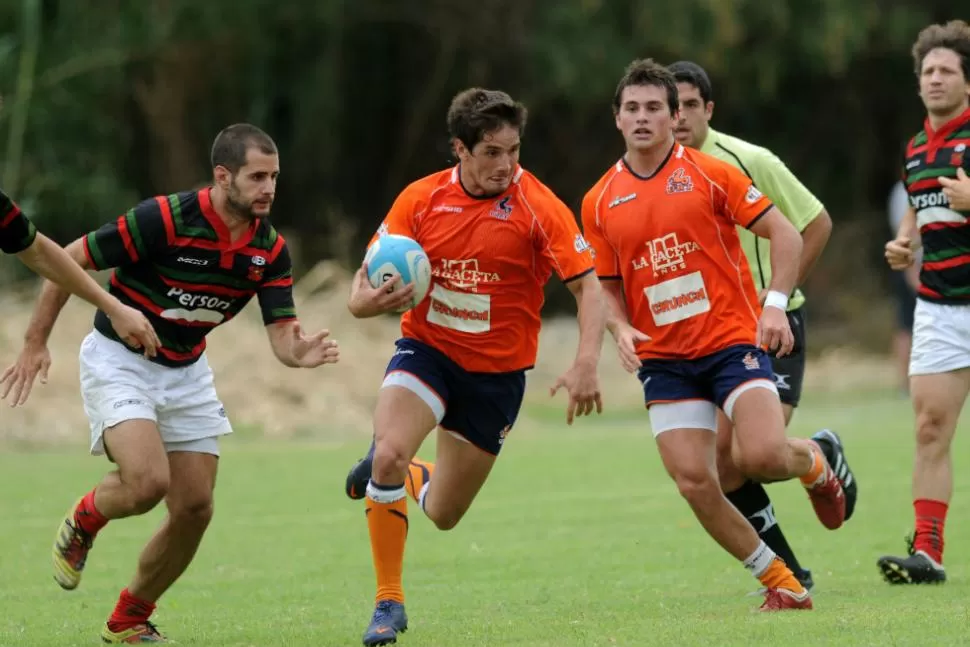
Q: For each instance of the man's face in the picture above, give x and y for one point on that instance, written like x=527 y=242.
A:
x=251 y=190
x=490 y=166
x=942 y=86
x=692 y=126
x=644 y=117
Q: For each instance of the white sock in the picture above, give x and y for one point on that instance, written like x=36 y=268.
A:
x=759 y=561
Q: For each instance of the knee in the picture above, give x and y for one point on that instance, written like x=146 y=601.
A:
x=931 y=429
x=195 y=512
x=764 y=464
x=390 y=462
x=445 y=521
x=698 y=486
x=147 y=489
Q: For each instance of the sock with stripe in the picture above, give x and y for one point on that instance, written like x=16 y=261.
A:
x=815 y=475
x=130 y=611
x=387 y=520
x=87 y=517
x=930 y=519
x=771 y=571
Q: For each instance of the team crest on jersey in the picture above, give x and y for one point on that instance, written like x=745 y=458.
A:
x=751 y=362
x=256 y=268
x=502 y=210
x=679 y=182
x=957 y=158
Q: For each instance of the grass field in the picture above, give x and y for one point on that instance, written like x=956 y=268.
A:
x=578 y=539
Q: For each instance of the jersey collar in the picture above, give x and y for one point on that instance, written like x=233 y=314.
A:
x=710 y=141
x=225 y=237
x=935 y=137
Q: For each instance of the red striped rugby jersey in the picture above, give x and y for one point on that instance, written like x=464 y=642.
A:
x=174 y=261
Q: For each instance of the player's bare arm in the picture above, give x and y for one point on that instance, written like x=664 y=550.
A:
x=34 y=360
x=900 y=252
x=774 y=331
x=618 y=323
x=957 y=191
x=295 y=349
x=66 y=268
x=814 y=238
x=366 y=301
x=581 y=380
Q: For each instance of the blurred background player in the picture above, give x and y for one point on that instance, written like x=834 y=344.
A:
x=939 y=366
x=904 y=285
x=19 y=236
x=494 y=235
x=685 y=316
x=806 y=213
x=191 y=262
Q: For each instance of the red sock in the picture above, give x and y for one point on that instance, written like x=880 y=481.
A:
x=130 y=611
x=930 y=518
x=87 y=517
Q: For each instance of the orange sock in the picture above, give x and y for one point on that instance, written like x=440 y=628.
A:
x=818 y=467
x=419 y=474
x=779 y=576
x=387 y=521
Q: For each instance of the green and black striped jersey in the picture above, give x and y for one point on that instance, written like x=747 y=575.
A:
x=17 y=233
x=930 y=155
x=174 y=261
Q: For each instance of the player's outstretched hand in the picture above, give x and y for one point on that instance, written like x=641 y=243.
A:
x=774 y=332
x=311 y=351
x=18 y=380
x=367 y=301
x=957 y=191
x=899 y=253
x=134 y=329
x=583 y=386
x=627 y=337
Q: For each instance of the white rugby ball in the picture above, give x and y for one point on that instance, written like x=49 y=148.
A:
x=393 y=253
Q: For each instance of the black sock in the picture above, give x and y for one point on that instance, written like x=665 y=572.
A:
x=752 y=501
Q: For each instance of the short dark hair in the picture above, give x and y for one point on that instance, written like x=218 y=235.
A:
x=231 y=145
x=693 y=74
x=954 y=35
x=646 y=71
x=475 y=112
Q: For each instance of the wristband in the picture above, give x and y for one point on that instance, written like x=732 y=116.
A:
x=776 y=299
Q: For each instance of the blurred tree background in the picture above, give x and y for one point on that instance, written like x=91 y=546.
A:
x=107 y=102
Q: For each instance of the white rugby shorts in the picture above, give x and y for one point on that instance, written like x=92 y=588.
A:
x=119 y=385
x=941 y=338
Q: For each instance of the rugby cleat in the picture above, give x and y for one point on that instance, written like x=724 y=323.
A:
x=786 y=600
x=359 y=475
x=145 y=632
x=834 y=451
x=389 y=620
x=917 y=568
x=827 y=497
x=70 y=551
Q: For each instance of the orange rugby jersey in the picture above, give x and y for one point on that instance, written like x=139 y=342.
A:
x=671 y=238
x=491 y=258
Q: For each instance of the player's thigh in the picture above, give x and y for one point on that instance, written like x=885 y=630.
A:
x=193 y=466
x=938 y=400
x=412 y=400
x=729 y=474
x=118 y=388
x=460 y=471
x=688 y=449
x=746 y=392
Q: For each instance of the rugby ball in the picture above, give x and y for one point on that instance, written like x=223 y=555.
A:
x=392 y=253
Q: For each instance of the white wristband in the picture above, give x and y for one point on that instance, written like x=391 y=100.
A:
x=776 y=299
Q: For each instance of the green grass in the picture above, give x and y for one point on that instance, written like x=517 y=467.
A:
x=579 y=538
